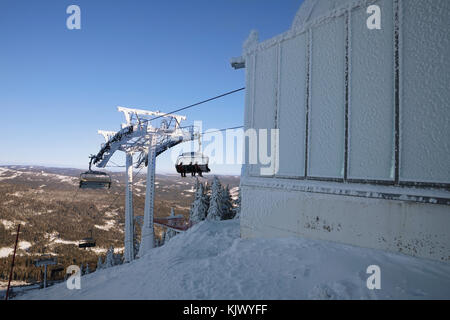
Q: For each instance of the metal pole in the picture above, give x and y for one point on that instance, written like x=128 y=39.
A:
x=45 y=276
x=129 y=230
x=147 y=234
x=12 y=263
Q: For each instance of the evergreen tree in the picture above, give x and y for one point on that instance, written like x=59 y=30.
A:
x=136 y=242
x=215 y=210
x=199 y=207
x=99 y=263
x=227 y=204
x=109 y=258
x=117 y=259
x=197 y=184
x=237 y=208
x=169 y=234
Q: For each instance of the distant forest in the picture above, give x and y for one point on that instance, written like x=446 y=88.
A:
x=55 y=216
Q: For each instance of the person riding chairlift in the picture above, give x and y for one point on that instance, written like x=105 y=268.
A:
x=191 y=169
x=198 y=170
x=181 y=169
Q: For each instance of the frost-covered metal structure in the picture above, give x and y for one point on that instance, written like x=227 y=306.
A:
x=364 y=126
x=140 y=134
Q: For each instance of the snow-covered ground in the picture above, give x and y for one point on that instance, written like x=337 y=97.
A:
x=4 y=284
x=211 y=261
x=10 y=174
x=107 y=226
x=6 y=251
x=24 y=245
x=7 y=224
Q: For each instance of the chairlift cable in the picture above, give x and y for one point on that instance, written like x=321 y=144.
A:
x=121 y=193
x=115 y=165
x=196 y=104
x=114 y=200
x=177 y=110
x=231 y=128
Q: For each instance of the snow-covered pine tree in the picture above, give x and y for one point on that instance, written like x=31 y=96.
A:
x=199 y=207
x=215 y=210
x=99 y=263
x=136 y=242
x=117 y=259
x=197 y=184
x=227 y=204
x=168 y=234
x=109 y=258
x=237 y=206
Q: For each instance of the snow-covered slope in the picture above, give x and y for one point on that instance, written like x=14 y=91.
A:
x=211 y=261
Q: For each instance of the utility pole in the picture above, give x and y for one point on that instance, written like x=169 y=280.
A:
x=12 y=263
x=45 y=276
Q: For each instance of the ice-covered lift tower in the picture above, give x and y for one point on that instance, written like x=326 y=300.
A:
x=139 y=134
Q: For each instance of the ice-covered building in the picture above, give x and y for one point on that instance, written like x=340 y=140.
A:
x=364 y=126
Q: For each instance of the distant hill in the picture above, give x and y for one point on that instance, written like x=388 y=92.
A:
x=55 y=214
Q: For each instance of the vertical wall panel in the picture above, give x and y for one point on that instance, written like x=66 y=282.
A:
x=249 y=101
x=327 y=118
x=371 y=101
x=292 y=108
x=425 y=98
x=265 y=97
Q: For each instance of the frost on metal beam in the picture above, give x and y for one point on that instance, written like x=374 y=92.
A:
x=136 y=132
x=129 y=112
x=107 y=135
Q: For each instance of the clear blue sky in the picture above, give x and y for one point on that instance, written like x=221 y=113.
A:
x=59 y=86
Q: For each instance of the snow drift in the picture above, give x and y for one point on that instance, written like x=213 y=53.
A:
x=211 y=261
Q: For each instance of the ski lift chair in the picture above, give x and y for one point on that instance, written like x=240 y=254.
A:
x=88 y=242
x=94 y=179
x=186 y=163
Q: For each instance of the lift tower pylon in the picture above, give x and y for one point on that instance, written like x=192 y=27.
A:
x=140 y=134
